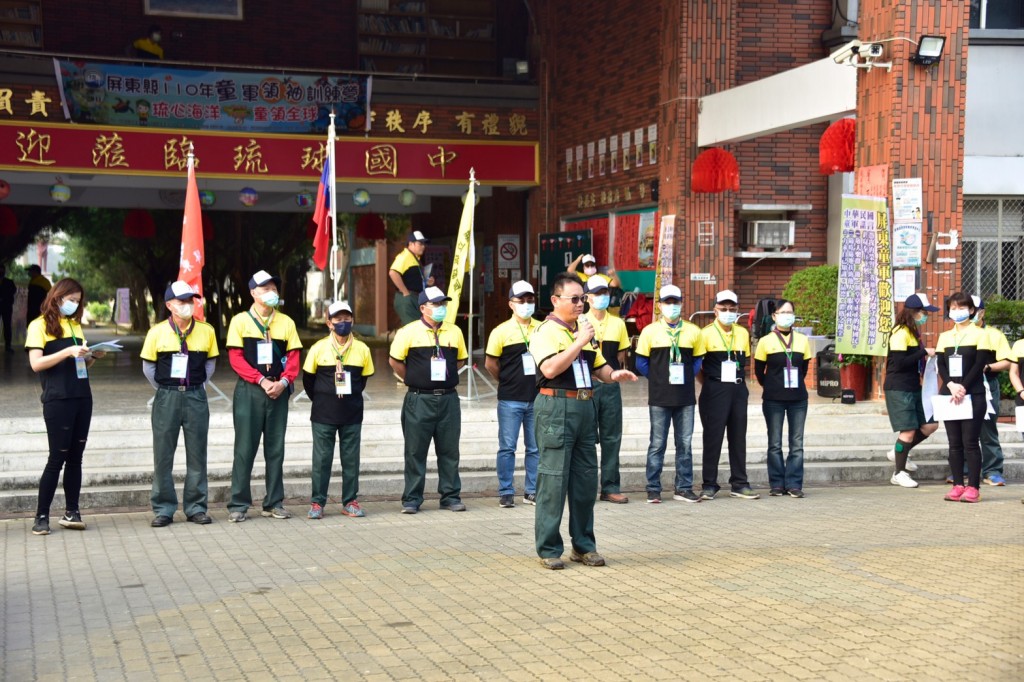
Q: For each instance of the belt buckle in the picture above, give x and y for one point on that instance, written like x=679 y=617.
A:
x=439 y=391
x=182 y=389
x=584 y=393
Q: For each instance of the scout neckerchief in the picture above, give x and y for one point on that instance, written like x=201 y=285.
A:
x=572 y=338
x=341 y=351
x=675 y=355
x=265 y=330
x=183 y=338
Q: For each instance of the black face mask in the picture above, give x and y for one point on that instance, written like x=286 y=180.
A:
x=342 y=328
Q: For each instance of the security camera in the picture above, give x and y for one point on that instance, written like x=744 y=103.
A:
x=847 y=53
x=871 y=50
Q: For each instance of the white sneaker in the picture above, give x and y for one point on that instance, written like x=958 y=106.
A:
x=891 y=456
x=903 y=479
x=910 y=465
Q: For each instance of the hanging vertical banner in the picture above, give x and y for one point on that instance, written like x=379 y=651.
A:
x=123 y=306
x=464 y=259
x=663 y=263
x=864 y=306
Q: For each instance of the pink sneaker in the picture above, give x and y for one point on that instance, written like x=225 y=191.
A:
x=955 y=493
x=971 y=495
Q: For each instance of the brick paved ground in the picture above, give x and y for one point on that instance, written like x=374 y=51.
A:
x=864 y=582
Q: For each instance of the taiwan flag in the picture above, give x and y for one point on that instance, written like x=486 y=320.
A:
x=322 y=216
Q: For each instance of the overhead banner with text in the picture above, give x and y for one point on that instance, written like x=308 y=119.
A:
x=864 y=306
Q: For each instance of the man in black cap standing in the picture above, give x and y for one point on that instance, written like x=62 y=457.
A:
x=427 y=354
x=263 y=348
x=409 y=278
x=178 y=358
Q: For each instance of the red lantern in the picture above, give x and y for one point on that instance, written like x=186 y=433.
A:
x=715 y=170
x=8 y=222
x=207 y=228
x=371 y=226
x=837 y=147
x=5 y=190
x=139 y=224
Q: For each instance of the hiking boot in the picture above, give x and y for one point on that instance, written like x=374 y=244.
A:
x=72 y=520
x=587 y=558
x=552 y=563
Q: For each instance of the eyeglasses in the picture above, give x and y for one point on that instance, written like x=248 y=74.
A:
x=575 y=300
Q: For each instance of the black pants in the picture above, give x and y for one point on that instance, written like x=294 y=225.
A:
x=723 y=411
x=965 y=441
x=5 y=318
x=67 y=428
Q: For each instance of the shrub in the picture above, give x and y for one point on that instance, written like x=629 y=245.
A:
x=98 y=311
x=813 y=292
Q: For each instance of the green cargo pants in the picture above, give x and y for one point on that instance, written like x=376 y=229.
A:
x=256 y=416
x=608 y=403
x=175 y=411
x=349 y=437
x=407 y=307
x=437 y=417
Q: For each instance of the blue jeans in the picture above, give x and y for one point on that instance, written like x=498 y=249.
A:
x=681 y=419
x=511 y=415
x=788 y=474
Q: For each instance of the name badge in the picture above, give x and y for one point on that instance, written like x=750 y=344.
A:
x=581 y=373
x=956 y=366
x=264 y=353
x=729 y=372
x=438 y=369
x=342 y=383
x=676 y=374
x=529 y=365
x=80 y=369
x=179 y=365
x=791 y=377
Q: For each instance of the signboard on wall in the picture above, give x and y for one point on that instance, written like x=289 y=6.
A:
x=864 y=308
x=557 y=250
x=509 y=253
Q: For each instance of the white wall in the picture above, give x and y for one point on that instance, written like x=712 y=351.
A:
x=994 y=134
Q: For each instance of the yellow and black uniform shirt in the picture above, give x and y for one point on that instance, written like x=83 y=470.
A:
x=612 y=335
x=324 y=361
x=903 y=364
x=509 y=342
x=61 y=381
x=776 y=352
x=721 y=346
x=971 y=349
x=417 y=344
x=999 y=345
x=664 y=345
x=550 y=339
x=1017 y=352
x=165 y=340
x=408 y=266
x=248 y=329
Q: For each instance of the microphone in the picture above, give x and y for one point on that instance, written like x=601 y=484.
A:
x=593 y=339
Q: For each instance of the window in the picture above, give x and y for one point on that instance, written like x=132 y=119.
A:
x=997 y=14
x=993 y=249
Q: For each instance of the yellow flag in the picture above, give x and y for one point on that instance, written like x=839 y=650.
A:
x=465 y=259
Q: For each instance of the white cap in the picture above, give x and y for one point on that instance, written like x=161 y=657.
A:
x=519 y=288
x=978 y=303
x=339 y=307
x=417 y=236
x=181 y=291
x=263 y=277
x=589 y=259
x=670 y=291
x=432 y=295
x=727 y=295
x=596 y=283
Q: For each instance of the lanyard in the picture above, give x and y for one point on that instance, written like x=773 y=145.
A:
x=438 y=353
x=569 y=331
x=728 y=348
x=675 y=354
x=341 y=351
x=71 y=328
x=263 y=330
x=957 y=340
x=522 y=333
x=182 y=337
x=787 y=347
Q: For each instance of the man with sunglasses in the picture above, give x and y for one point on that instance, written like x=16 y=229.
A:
x=567 y=362
x=510 y=363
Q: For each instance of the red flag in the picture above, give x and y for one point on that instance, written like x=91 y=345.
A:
x=322 y=217
x=193 y=254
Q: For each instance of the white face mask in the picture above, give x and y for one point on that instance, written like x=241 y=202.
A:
x=784 y=320
x=728 y=317
x=270 y=298
x=68 y=308
x=185 y=311
x=671 y=311
x=959 y=315
x=525 y=310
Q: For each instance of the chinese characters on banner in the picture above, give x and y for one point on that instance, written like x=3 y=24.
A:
x=907 y=206
x=664 y=256
x=864 y=306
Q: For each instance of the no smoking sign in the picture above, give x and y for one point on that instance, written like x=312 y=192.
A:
x=508 y=251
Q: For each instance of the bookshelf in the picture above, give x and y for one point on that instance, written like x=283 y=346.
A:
x=445 y=37
x=21 y=23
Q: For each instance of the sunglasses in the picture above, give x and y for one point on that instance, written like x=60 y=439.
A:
x=575 y=300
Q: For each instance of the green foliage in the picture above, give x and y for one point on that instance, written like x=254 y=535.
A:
x=813 y=292
x=99 y=311
x=853 y=359
x=1008 y=316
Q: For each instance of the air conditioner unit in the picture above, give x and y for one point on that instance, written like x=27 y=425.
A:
x=770 y=234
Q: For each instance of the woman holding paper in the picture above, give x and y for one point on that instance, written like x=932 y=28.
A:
x=903 y=386
x=58 y=353
x=963 y=352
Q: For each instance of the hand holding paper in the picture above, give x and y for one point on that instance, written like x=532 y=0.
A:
x=948 y=411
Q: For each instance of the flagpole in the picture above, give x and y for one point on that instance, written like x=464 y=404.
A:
x=332 y=210
x=471 y=371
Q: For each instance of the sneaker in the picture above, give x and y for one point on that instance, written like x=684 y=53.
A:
x=995 y=479
x=316 y=512
x=708 y=494
x=903 y=479
x=237 y=517
x=456 y=506
x=552 y=563
x=653 y=498
x=745 y=493
x=971 y=494
x=911 y=465
x=507 y=501
x=891 y=456
x=72 y=520
x=776 y=492
x=353 y=509
x=276 y=513
x=530 y=499
x=955 y=493
x=410 y=508
x=686 y=496
x=41 y=526
x=587 y=558
x=795 y=492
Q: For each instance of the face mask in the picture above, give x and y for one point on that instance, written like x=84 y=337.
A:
x=68 y=308
x=525 y=310
x=921 y=320
x=672 y=311
x=601 y=302
x=785 y=320
x=728 y=317
x=439 y=313
x=185 y=311
x=960 y=315
x=343 y=328
x=976 y=319
x=270 y=298
x=589 y=269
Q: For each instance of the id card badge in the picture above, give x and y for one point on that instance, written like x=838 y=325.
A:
x=676 y=374
x=956 y=366
x=342 y=383
x=791 y=376
x=264 y=353
x=729 y=372
x=529 y=365
x=579 y=372
x=80 y=369
x=179 y=365
x=438 y=369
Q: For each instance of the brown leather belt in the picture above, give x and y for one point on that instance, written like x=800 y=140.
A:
x=581 y=394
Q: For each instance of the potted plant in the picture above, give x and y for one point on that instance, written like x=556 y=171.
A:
x=855 y=373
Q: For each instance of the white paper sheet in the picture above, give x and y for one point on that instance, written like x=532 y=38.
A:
x=930 y=386
x=946 y=411
x=1020 y=419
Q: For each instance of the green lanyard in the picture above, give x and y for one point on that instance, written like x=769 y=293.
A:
x=183 y=338
x=957 y=340
x=263 y=330
x=728 y=352
x=71 y=328
x=568 y=331
x=438 y=353
x=522 y=333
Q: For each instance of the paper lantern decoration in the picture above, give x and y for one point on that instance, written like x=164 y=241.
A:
x=361 y=198
x=8 y=222
x=715 y=170
x=248 y=196
x=5 y=189
x=837 y=147
x=60 y=192
x=139 y=224
x=371 y=226
x=407 y=197
x=207 y=198
x=207 y=228
x=304 y=199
